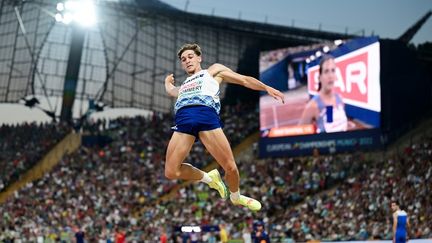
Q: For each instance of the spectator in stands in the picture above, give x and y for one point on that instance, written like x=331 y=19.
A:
x=79 y=235
x=259 y=234
x=223 y=234
x=23 y=146
x=163 y=236
x=121 y=186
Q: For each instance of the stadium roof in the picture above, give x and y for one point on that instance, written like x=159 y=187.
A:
x=155 y=7
x=120 y=65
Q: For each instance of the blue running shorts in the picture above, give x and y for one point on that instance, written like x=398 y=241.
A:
x=197 y=118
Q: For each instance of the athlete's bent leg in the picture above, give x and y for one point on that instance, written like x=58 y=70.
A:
x=178 y=148
x=217 y=144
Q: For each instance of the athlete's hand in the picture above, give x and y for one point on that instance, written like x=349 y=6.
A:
x=170 y=88
x=275 y=94
x=170 y=79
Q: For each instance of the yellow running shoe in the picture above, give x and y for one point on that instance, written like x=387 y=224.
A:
x=248 y=202
x=218 y=184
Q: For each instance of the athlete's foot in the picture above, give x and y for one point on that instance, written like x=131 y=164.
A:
x=248 y=202
x=218 y=184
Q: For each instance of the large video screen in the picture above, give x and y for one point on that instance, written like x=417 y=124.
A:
x=329 y=88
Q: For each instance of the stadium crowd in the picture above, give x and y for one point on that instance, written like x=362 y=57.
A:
x=110 y=193
x=359 y=209
x=280 y=183
x=22 y=146
x=98 y=184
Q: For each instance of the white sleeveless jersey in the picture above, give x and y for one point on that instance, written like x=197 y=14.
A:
x=199 y=89
x=340 y=120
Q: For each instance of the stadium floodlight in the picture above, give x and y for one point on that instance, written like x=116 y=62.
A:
x=79 y=11
x=326 y=49
x=338 y=42
x=60 y=7
x=307 y=60
x=67 y=18
x=58 y=17
x=71 y=5
x=318 y=53
x=312 y=57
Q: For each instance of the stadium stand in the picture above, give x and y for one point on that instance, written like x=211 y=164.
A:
x=112 y=189
x=23 y=146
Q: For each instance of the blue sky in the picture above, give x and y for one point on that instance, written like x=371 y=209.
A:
x=386 y=18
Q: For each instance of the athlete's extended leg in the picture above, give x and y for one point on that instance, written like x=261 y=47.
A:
x=217 y=144
x=178 y=148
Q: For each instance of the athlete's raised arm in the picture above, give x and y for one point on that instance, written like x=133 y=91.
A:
x=170 y=88
x=221 y=72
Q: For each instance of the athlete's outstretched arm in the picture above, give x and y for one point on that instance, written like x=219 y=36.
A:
x=221 y=72
x=169 y=86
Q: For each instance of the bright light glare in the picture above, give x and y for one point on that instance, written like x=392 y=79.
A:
x=326 y=49
x=338 y=42
x=85 y=14
x=60 y=7
x=72 y=5
x=318 y=54
x=67 y=18
x=58 y=17
x=80 y=11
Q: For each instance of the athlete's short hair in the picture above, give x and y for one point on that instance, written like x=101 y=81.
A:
x=188 y=46
x=397 y=204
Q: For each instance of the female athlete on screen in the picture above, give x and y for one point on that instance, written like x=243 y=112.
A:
x=326 y=109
